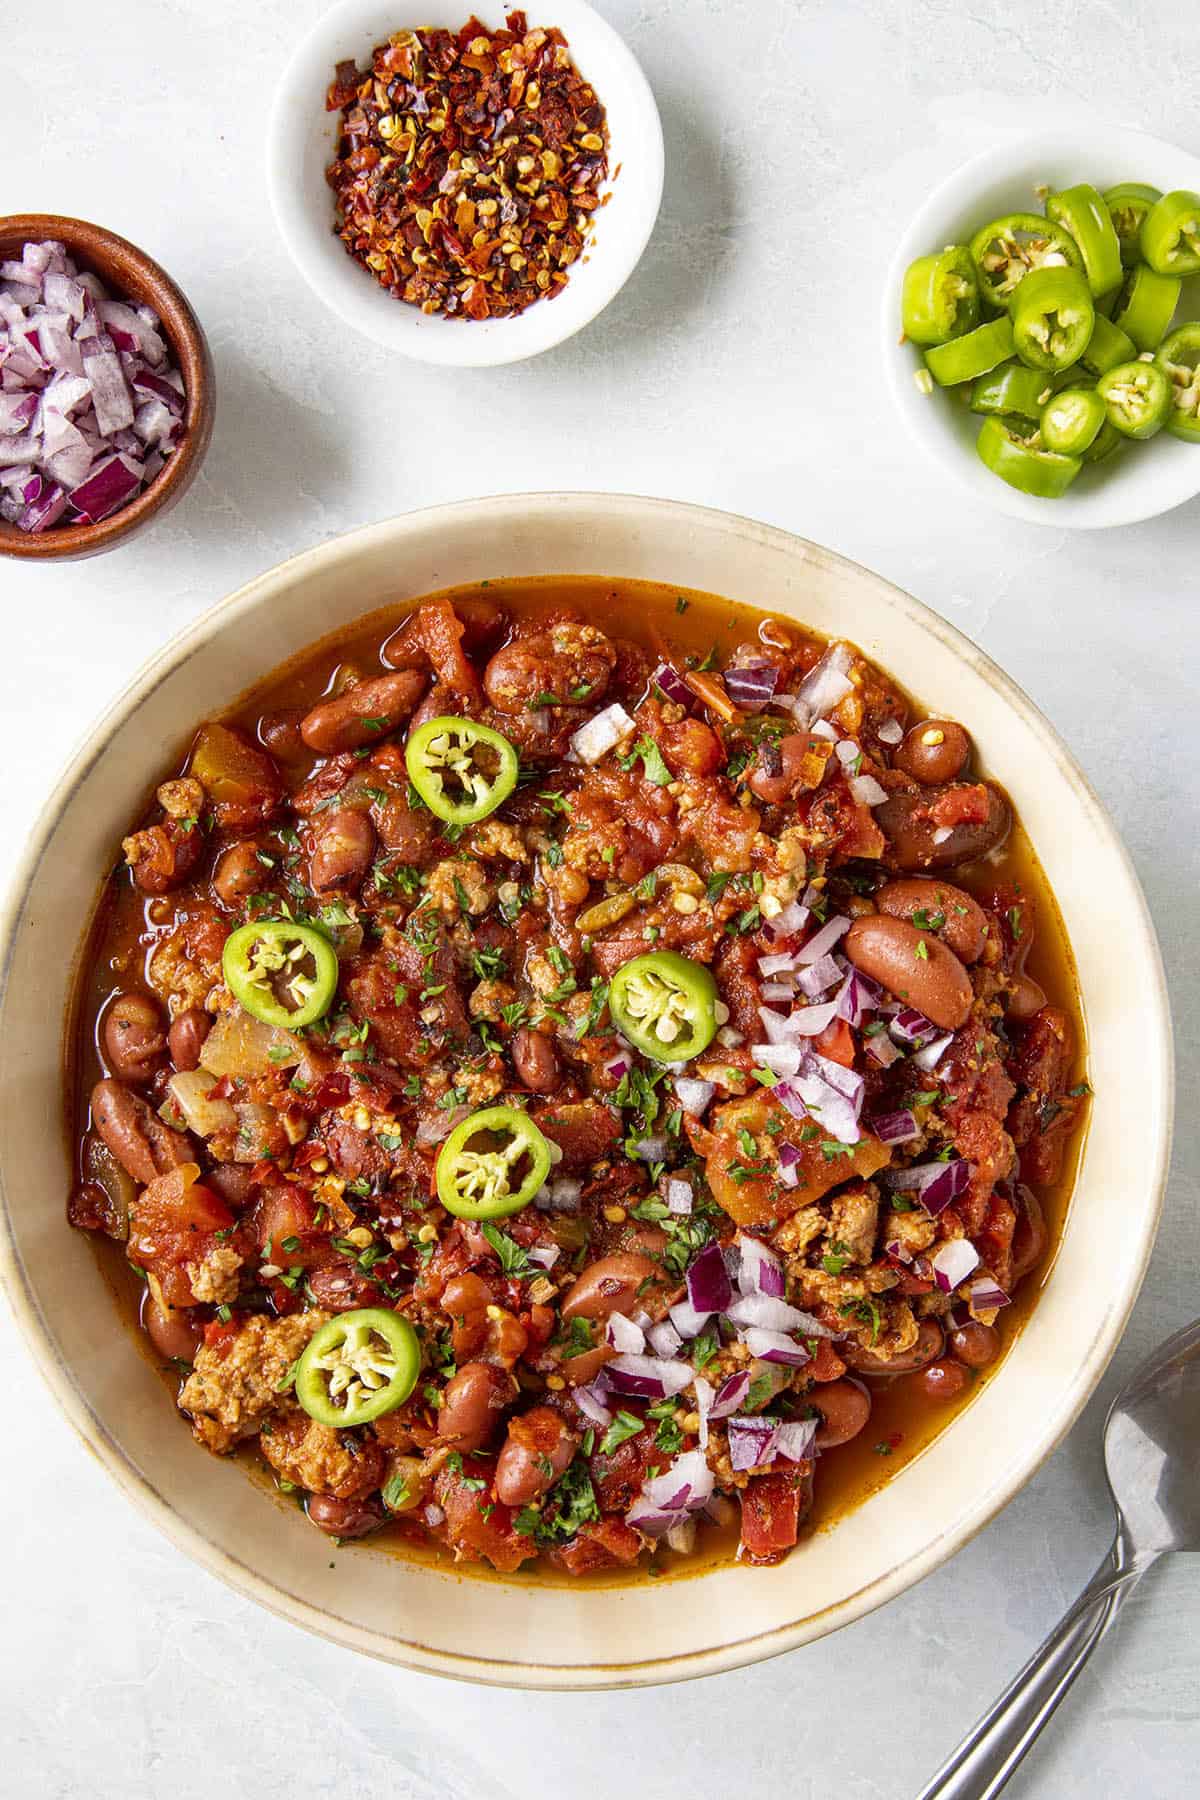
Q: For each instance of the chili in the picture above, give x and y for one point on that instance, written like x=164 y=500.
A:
x=1023 y=463
x=1128 y=203
x=1072 y=421
x=1107 y=346
x=357 y=1367
x=1138 y=397
x=1014 y=389
x=1171 y=233
x=665 y=1004
x=1005 y=252
x=966 y=358
x=476 y=1181
x=283 y=973
x=1081 y=211
x=1146 y=306
x=941 y=297
x=461 y=770
x=1052 y=318
x=1179 y=359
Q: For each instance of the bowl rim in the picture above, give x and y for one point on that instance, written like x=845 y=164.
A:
x=441 y=342
x=186 y=336
x=1118 y=503
x=322 y=1620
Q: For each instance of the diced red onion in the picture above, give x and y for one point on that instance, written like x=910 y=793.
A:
x=17 y=411
x=709 y=1289
x=433 y=1515
x=618 y=1066
x=896 y=1248
x=856 y=996
x=802 y=1021
x=687 y=1321
x=43 y=512
x=679 y=1196
x=728 y=1038
x=930 y=1055
x=812 y=1094
x=792 y=919
x=602 y=733
x=730 y=1394
x=942 y=833
x=824 y=685
x=821 y=728
x=767 y=1311
x=816 y=980
x=563 y=1194
x=771 y=1346
x=935 y=1184
x=795 y=1440
x=752 y=1441
x=880 y=1046
x=663 y=1338
x=779 y=962
x=685 y=1487
x=647 y=1377
x=759 y=1269
x=953 y=1263
x=825 y=939
x=751 y=685
x=672 y=684
x=890 y=732
x=847 y=751
x=912 y=1027
x=894 y=1127
x=544 y=1255
x=623 y=1335
x=790 y=1158
x=777 y=990
x=591 y=1405
x=781 y=1059
x=984 y=1296
x=650 y=1149
x=694 y=1096
x=867 y=791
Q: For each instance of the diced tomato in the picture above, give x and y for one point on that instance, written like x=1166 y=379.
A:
x=605 y=1544
x=286 y=1214
x=771 y=1513
x=836 y=1042
x=962 y=804
x=175 y=1222
x=478 y=1526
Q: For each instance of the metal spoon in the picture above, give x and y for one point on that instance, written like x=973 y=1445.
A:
x=1152 y=1455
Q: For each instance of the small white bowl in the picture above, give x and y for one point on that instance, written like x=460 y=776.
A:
x=1140 y=480
x=301 y=145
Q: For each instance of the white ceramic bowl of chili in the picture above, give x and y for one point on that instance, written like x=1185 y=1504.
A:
x=1140 y=480
x=302 y=143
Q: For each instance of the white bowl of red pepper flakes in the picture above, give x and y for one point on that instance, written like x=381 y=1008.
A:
x=465 y=188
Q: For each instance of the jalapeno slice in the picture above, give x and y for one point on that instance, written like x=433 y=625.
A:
x=1138 y=397
x=1128 y=203
x=1023 y=463
x=1171 y=233
x=461 y=770
x=358 y=1367
x=965 y=358
x=940 y=299
x=1005 y=251
x=1052 y=318
x=1107 y=346
x=1072 y=421
x=1012 y=388
x=665 y=1004
x=1081 y=211
x=283 y=973
x=1146 y=306
x=1179 y=359
x=492 y=1164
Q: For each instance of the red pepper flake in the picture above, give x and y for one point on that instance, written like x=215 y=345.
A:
x=469 y=166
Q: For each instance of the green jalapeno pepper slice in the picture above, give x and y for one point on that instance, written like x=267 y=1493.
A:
x=1179 y=359
x=492 y=1164
x=665 y=1004
x=1171 y=233
x=940 y=298
x=461 y=770
x=1005 y=251
x=965 y=358
x=282 y=973
x=1107 y=439
x=1107 y=346
x=1072 y=421
x=1138 y=397
x=1128 y=203
x=1053 y=315
x=357 y=1367
x=1023 y=463
x=1081 y=211
x=1012 y=388
x=1146 y=306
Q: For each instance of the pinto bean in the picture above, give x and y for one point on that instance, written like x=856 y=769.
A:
x=363 y=714
x=1025 y=999
x=964 y=925
x=186 y=1038
x=133 y=1037
x=619 y=1283
x=911 y=833
x=914 y=966
x=844 y=1410
x=535 y=1061
x=934 y=751
x=943 y=1380
x=539 y=1446
x=930 y=1343
x=345 y=1518
x=135 y=1134
x=239 y=873
x=975 y=1344
x=175 y=1331
x=344 y=844
x=472 y=1402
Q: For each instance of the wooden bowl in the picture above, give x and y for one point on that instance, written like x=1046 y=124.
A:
x=134 y=276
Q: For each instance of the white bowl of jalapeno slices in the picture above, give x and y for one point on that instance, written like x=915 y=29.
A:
x=1042 y=327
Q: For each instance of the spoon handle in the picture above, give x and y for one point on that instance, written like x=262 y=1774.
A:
x=996 y=1743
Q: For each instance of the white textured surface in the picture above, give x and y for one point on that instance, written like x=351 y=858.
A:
x=737 y=368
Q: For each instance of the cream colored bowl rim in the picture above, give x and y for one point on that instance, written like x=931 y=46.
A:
x=1156 y=1053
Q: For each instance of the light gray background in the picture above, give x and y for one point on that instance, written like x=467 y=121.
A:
x=740 y=368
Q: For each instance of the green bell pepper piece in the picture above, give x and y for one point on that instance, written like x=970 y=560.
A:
x=1107 y=346
x=1081 y=211
x=1023 y=463
x=1128 y=203
x=1138 y=397
x=1179 y=359
x=1072 y=421
x=941 y=297
x=966 y=358
x=1146 y=306
x=1005 y=251
x=1171 y=233
x=1052 y=315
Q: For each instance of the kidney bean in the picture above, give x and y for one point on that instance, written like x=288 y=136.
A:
x=279 y=732
x=934 y=751
x=536 y=1062
x=620 y=1283
x=175 y=1331
x=975 y=1344
x=965 y=922
x=780 y=766
x=343 y=846
x=363 y=714
x=345 y=1518
x=133 y=1037
x=135 y=1134
x=930 y=1343
x=1025 y=998
x=185 y=1039
x=844 y=1410
x=539 y=1446
x=911 y=844
x=340 y=1287
x=239 y=873
x=914 y=966
x=1029 y=1235
x=472 y=1402
x=943 y=1380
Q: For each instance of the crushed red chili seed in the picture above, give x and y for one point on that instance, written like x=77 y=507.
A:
x=469 y=166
